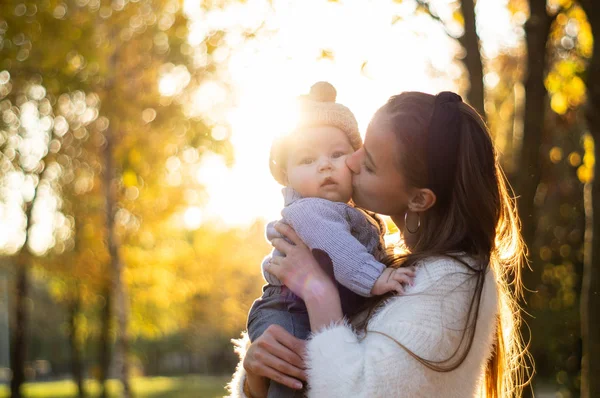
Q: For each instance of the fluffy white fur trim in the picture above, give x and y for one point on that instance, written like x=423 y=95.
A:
x=236 y=385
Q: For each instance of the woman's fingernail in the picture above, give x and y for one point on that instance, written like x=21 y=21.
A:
x=298 y=385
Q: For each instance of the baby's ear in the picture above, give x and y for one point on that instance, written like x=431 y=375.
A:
x=284 y=177
x=422 y=200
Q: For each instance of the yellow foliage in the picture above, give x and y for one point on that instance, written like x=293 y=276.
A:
x=574 y=159
x=553 y=82
x=556 y=154
x=129 y=178
x=585 y=172
x=559 y=103
x=201 y=280
x=458 y=17
x=588 y=144
x=561 y=3
x=545 y=253
x=585 y=38
x=572 y=34
x=576 y=91
x=135 y=156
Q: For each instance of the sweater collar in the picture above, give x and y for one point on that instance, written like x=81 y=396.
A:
x=290 y=195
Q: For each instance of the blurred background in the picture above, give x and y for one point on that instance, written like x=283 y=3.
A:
x=134 y=186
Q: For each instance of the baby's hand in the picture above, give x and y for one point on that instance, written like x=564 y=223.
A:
x=393 y=279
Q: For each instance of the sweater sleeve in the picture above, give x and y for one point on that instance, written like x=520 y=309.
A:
x=323 y=225
x=429 y=323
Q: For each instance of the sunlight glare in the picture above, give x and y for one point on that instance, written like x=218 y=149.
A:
x=269 y=72
x=173 y=79
x=192 y=217
x=370 y=59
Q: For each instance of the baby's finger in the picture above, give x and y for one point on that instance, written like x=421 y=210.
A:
x=402 y=278
x=273 y=266
x=399 y=288
x=407 y=271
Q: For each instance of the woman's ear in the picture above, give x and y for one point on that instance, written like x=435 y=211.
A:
x=422 y=199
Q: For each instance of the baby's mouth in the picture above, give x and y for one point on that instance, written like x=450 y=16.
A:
x=328 y=181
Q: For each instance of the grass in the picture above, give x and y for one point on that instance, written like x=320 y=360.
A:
x=143 y=387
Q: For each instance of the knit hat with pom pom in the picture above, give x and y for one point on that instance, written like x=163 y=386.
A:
x=318 y=108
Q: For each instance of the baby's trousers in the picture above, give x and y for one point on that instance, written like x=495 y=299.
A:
x=280 y=306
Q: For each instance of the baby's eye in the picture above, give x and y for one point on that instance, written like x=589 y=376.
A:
x=369 y=170
x=306 y=160
x=338 y=154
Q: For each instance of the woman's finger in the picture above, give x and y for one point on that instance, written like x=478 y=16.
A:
x=289 y=233
x=295 y=345
x=279 y=360
x=267 y=365
x=277 y=354
x=282 y=245
x=280 y=343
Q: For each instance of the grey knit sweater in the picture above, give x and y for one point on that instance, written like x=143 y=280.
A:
x=352 y=239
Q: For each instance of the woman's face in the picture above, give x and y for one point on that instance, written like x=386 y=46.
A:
x=377 y=183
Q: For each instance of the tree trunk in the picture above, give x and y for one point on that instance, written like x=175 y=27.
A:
x=528 y=173
x=19 y=345
x=105 y=345
x=590 y=289
x=470 y=42
x=121 y=307
x=528 y=177
x=19 y=338
x=76 y=364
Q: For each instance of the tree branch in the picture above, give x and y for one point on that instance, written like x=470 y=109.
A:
x=424 y=6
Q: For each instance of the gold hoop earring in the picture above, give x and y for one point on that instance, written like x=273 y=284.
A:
x=406 y=223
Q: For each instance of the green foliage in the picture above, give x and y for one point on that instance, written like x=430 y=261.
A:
x=153 y=387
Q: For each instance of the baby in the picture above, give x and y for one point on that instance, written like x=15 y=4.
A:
x=310 y=162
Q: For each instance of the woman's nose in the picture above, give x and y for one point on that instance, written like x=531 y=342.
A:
x=353 y=162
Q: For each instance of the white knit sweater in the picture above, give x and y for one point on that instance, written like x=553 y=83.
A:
x=428 y=320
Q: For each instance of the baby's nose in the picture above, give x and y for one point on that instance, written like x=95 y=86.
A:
x=325 y=164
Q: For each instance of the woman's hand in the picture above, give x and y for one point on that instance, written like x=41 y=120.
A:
x=298 y=270
x=276 y=355
x=303 y=275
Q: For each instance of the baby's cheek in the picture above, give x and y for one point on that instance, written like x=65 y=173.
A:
x=307 y=184
x=343 y=162
x=308 y=178
x=346 y=179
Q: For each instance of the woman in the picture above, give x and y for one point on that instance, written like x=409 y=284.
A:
x=429 y=163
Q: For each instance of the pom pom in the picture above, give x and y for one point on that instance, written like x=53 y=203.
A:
x=322 y=92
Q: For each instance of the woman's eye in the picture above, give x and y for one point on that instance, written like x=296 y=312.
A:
x=368 y=169
x=338 y=154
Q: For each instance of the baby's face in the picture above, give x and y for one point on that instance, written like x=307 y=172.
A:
x=316 y=165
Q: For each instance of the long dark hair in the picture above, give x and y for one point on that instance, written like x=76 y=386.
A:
x=478 y=218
